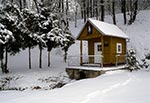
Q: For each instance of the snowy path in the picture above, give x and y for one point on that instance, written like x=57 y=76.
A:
x=100 y=93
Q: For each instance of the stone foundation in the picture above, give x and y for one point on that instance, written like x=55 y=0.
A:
x=82 y=74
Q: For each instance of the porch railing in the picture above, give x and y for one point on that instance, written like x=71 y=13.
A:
x=85 y=60
x=121 y=59
x=93 y=60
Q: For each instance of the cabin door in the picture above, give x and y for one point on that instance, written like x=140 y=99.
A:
x=97 y=52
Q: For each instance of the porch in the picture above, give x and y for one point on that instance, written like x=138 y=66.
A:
x=87 y=66
x=82 y=72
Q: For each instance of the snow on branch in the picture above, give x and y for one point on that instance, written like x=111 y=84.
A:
x=5 y=35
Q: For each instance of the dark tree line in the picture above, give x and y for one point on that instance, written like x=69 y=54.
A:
x=100 y=8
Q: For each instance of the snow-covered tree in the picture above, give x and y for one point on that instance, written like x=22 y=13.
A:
x=56 y=32
x=10 y=17
x=30 y=28
x=68 y=42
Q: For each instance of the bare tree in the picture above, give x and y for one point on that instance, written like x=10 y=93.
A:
x=96 y=9
x=133 y=10
x=36 y=4
x=84 y=10
x=76 y=10
x=123 y=10
x=20 y=2
x=113 y=12
x=67 y=8
x=102 y=10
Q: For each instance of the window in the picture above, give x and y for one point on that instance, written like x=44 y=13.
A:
x=119 y=48
x=89 y=29
x=99 y=47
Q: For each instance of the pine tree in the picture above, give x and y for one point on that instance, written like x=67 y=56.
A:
x=132 y=62
x=10 y=17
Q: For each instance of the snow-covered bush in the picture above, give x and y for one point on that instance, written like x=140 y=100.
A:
x=5 y=83
x=132 y=62
x=144 y=64
x=55 y=81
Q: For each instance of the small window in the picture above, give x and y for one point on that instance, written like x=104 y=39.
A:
x=89 y=29
x=119 y=48
x=99 y=47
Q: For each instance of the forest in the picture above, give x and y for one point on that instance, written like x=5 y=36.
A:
x=26 y=24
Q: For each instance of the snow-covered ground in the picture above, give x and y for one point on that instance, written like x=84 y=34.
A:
x=112 y=87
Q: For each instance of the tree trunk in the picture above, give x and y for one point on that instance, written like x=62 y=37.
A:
x=49 y=53
x=92 y=8
x=96 y=10
x=40 y=58
x=1 y=56
x=59 y=6
x=65 y=56
x=11 y=1
x=6 y=60
x=35 y=1
x=24 y=4
x=62 y=6
x=67 y=8
x=102 y=10
x=29 y=58
x=87 y=8
x=82 y=13
x=113 y=12
x=76 y=14
x=123 y=9
x=84 y=9
x=20 y=2
x=2 y=65
x=135 y=10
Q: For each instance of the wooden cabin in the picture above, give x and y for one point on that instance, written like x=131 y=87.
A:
x=107 y=44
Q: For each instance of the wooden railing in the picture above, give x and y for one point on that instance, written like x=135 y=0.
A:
x=120 y=59
x=85 y=60
x=90 y=60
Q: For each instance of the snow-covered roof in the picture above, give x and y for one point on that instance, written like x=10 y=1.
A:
x=107 y=29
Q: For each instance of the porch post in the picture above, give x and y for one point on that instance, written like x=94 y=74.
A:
x=81 y=60
x=102 y=41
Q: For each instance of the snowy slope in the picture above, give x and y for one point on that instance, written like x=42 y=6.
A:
x=113 y=87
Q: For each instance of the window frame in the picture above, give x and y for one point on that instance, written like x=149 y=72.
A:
x=119 y=48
